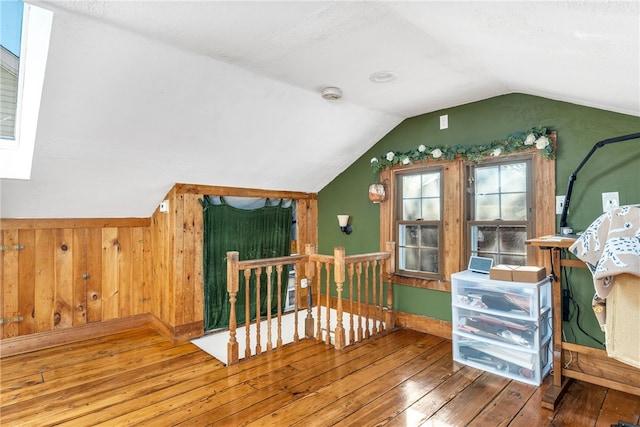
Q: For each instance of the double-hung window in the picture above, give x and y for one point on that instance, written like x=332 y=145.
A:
x=418 y=221
x=442 y=211
x=500 y=214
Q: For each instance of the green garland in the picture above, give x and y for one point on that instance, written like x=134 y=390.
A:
x=517 y=141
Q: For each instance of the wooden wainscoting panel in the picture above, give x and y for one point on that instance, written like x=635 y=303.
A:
x=594 y=365
x=178 y=293
x=110 y=284
x=428 y=325
x=27 y=281
x=187 y=224
x=63 y=255
x=44 y=280
x=63 y=277
x=9 y=304
x=75 y=223
x=79 y=280
x=125 y=272
x=195 y=254
x=93 y=273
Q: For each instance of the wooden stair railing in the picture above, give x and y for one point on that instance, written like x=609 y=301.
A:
x=365 y=274
x=257 y=267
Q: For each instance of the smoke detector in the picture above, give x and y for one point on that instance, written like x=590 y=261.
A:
x=332 y=93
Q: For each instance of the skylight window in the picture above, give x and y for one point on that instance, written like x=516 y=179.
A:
x=10 y=37
x=24 y=44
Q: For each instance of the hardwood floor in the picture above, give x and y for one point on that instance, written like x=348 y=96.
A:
x=404 y=378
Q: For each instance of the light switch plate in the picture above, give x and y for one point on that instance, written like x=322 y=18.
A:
x=444 y=122
x=559 y=204
x=610 y=201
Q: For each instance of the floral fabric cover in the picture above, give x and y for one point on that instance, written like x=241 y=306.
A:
x=611 y=246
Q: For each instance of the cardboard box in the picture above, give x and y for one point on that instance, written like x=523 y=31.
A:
x=528 y=273
x=502 y=272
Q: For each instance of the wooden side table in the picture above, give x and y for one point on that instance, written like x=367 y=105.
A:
x=555 y=244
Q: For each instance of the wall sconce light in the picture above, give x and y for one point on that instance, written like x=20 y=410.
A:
x=343 y=221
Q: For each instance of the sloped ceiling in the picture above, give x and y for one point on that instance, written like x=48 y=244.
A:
x=140 y=95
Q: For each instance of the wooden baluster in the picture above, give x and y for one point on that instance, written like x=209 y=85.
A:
x=258 y=272
x=390 y=269
x=338 y=268
x=279 y=274
x=296 y=284
x=380 y=295
x=310 y=274
x=232 y=288
x=247 y=313
x=374 y=284
x=318 y=298
x=269 y=270
x=367 y=284
x=359 y=276
x=328 y=307
x=352 y=337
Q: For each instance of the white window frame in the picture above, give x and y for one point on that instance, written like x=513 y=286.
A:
x=16 y=156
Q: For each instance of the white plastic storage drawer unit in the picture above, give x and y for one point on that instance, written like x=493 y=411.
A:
x=502 y=327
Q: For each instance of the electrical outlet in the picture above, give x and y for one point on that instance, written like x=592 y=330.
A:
x=610 y=201
x=559 y=204
x=303 y=283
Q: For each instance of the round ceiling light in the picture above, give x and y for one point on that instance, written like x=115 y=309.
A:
x=383 y=76
x=332 y=93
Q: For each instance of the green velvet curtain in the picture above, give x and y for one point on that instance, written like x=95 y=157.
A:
x=254 y=234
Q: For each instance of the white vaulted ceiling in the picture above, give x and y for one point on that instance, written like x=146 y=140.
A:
x=139 y=95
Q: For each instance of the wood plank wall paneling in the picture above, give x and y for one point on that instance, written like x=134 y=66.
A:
x=110 y=252
x=26 y=282
x=453 y=219
x=45 y=281
x=79 y=282
x=545 y=171
x=69 y=273
x=10 y=282
x=179 y=303
x=63 y=250
x=93 y=256
x=177 y=246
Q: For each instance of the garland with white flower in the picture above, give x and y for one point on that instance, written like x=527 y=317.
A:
x=517 y=141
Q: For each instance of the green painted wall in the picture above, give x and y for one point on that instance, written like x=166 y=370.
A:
x=615 y=167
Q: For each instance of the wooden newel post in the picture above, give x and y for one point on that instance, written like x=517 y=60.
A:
x=339 y=276
x=232 y=288
x=309 y=271
x=390 y=318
